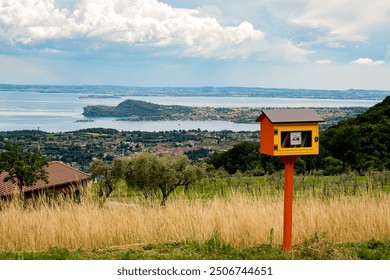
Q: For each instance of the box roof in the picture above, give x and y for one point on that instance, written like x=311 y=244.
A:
x=290 y=115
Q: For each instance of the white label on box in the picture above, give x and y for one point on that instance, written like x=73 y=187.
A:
x=295 y=138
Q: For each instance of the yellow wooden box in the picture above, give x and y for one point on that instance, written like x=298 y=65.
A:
x=285 y=132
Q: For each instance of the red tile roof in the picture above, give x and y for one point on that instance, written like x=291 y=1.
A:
x=58 y=174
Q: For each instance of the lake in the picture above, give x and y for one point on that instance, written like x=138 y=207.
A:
x=62 y=111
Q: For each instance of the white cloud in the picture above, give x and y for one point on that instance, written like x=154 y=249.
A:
x=27 y=21
x=290 y=52
x=335 y=45
x=367 y=61
x=50 y=51
x=346 y=20
x=134 y=22
x=323 y=61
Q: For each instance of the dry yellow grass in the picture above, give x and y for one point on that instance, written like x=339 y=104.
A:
x=238 y=220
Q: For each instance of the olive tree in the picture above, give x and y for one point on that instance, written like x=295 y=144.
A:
x=153 y=173
x=106 y=175
x=140 y=172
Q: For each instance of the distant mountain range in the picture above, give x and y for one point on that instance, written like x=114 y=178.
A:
x=93 y=91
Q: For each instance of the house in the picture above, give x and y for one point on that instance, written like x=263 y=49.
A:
x=62 y=179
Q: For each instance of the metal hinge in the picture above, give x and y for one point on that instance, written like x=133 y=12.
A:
x=275 y=131
x=275 y=147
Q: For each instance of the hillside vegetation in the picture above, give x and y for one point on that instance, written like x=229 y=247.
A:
x=360 y=143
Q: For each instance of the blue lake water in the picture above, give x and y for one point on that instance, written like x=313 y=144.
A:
x=60 y=111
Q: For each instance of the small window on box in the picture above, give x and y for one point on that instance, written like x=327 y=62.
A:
x=296 y=139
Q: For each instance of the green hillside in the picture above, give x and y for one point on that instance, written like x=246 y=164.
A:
x=362 y=142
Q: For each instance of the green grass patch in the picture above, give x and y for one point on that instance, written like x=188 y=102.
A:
x=317 y=248
x=370 y=250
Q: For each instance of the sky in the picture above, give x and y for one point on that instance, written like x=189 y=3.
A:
x=311 y=44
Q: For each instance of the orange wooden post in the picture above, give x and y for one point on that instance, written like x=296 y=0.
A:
x=288 y=200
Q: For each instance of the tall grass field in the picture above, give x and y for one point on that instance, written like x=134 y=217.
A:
x=239 y=220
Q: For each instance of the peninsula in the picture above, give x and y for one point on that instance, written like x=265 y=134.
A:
x=136 y=110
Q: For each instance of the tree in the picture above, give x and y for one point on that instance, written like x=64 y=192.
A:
x=241 y=157
x=140 y=172
x=332 y=166
x=152 y=173
x=24 y=168
x=107 y=176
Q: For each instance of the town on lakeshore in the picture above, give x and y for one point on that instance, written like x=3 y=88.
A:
x=79 y=148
